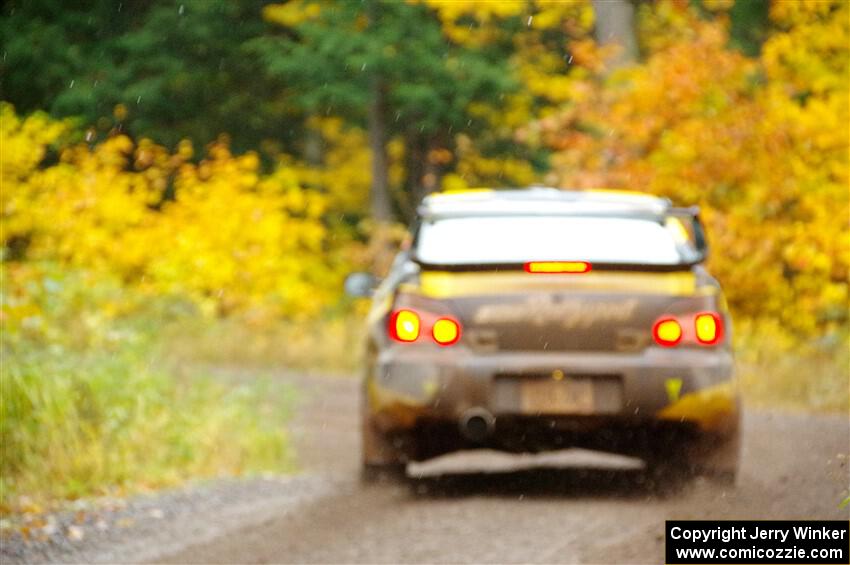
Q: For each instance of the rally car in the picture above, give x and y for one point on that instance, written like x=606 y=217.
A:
x=538 y=319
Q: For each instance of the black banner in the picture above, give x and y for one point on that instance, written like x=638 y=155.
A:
x=757 y=541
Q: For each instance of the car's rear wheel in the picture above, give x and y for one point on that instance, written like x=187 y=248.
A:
x=382 y=460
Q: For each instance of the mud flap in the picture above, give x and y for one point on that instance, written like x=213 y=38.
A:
x=381 y=460
x=381 y=456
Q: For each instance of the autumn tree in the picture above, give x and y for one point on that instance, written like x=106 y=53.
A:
x=761 y=143
x=390 y=67
x=615 y=26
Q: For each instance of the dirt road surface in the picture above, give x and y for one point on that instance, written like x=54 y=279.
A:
x=551 y=509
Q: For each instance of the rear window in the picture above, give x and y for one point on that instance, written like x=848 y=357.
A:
x=518 y=239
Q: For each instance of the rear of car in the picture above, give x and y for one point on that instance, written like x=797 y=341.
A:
x=544 y=319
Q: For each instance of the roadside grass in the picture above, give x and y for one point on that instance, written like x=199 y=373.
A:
x=90 y=406
x=779 y=371
x=330 y=345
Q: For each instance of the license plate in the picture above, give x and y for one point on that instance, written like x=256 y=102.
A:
x=545 y=396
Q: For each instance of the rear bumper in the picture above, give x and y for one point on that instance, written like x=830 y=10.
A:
x=691 y=386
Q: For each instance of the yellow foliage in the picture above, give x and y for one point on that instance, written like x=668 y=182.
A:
x=219 y=231
x=474 y=169
x=292 y=13
x=344 y=173
x=487 y=15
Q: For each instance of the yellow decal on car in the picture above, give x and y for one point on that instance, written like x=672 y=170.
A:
x=446 y=284
x=674 y=389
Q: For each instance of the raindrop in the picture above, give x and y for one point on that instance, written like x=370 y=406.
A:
x=120 y=5
x=71 y=85
x=181 y=10
x=363 y=68
x=139 y=99
x=530 y=18
x=89 y=135
x=570 y=60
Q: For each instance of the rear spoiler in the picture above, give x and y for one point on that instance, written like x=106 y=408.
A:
x=507 y=267
x=690 y=218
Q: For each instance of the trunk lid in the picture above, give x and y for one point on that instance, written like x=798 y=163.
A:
x=597 y=311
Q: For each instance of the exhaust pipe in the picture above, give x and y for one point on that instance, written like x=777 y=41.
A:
x=476 y=424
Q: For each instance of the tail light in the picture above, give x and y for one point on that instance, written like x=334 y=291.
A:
x=708 y=327
x=404 y=325
x=667 y=332
x=407 y=325
x=446 y=331
x=704 y=328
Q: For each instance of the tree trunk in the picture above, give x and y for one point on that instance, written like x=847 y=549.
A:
x=432 y=177
x=615 y=26
x=380 y=195
x=415 y=156
x=381 y=210
x=313 y=145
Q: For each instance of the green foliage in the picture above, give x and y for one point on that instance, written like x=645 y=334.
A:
x=329 y=55
x=165 y=69
x=749 y=24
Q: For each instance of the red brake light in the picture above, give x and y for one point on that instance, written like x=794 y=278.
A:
x=703 y=328
x=404 y=325
x=667 y=332
x=557 y=267
x=708 y=327
x=446 y=331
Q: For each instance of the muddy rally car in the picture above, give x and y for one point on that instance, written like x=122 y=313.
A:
x=541 y=319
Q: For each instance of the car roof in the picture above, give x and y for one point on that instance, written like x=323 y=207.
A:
x=540 y=200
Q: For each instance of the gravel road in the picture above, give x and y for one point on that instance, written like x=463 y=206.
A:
x=794 y=466
x=564 y=507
